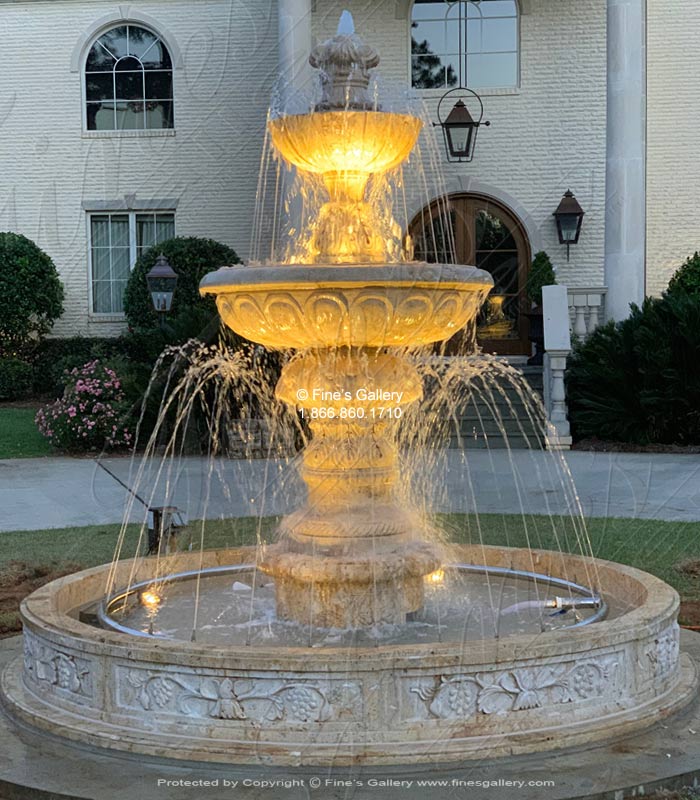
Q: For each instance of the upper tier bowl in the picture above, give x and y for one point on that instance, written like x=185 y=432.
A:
x=309 y=306
x=345 y=141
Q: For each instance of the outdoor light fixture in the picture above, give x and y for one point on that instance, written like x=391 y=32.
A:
x=569 y=216
x=459 y=128
x=161 y=281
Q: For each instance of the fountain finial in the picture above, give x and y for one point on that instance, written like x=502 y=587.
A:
x=344 y=62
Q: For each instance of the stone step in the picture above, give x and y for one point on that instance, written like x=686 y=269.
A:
x=492 y=429
x=497 y=443
x=510 y=408
x=479 y=429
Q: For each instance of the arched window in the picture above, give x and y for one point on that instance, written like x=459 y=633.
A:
x=484 y=233
x=473 y=44
x=128 y=81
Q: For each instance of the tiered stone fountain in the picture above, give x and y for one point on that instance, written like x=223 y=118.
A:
x=351 y=556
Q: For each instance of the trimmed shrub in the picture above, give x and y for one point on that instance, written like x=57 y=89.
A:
x=144 y=345
x=191 y=257
x=686 y=279
x=541 y=274
x=55 y=358
x=16 y=379
x=92 y=412
x=31 y=294
x=639 y=380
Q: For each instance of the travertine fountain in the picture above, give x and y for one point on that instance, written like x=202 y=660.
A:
x=352 y=558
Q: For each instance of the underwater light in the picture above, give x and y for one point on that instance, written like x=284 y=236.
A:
x=150 y=599
x=436 y=577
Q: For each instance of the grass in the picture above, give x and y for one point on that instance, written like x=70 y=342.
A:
x=19 y=437
x=656 y=547
x=95 y=544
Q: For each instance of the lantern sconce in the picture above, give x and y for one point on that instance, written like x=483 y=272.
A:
x=568 y=216
x=459 y=128
x=161 y=281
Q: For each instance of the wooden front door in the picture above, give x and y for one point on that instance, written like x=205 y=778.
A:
x=479 y=231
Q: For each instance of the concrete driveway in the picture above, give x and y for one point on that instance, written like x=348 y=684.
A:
x=64 y=492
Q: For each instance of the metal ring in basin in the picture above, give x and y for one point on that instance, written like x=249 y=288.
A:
x=107 y=606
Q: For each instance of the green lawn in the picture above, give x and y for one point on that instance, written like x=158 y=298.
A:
x=650 y=545
x=656 y=547
x=95 y=544
x=19 y=437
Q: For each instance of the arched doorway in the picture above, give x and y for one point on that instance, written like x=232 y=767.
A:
x=486 y=234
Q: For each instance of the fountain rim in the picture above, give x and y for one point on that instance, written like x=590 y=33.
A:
x=42 y=611
x=414 y=274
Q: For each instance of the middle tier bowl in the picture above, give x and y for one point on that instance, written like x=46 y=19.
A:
x=316 y=306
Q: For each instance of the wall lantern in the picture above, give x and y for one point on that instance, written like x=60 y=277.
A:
x=161 y=281
x=568 y=216
x=459 y=128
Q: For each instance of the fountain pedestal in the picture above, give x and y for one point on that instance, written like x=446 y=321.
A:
x=351 y=556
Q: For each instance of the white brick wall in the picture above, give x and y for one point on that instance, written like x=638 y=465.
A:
x=546 y=137
x=673 y=138
x=210 y=165
x=543 y=139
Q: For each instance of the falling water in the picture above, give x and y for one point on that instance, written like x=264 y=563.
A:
x=460 y=480
x=210 y=396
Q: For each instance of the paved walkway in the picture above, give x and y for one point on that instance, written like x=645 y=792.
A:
x=63 y=492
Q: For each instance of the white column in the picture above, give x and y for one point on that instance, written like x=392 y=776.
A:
x=557 y=345
x=625 y=215
x=294 y=32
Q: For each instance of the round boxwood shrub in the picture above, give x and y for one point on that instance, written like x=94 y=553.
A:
x=31 y=294
x=16 y=379
x=191 y=257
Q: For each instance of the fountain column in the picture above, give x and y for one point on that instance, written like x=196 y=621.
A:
x=351 y=556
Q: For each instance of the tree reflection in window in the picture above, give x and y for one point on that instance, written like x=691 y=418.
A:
x=128 y=81
x=427 y=69
x=473 y=43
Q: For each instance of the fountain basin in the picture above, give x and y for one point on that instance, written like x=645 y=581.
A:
x=315 y=306
x=375 y=705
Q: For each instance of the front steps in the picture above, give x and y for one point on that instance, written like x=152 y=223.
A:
x=479 y=427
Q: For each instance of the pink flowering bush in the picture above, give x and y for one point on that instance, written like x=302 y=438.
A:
x=90 y=414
